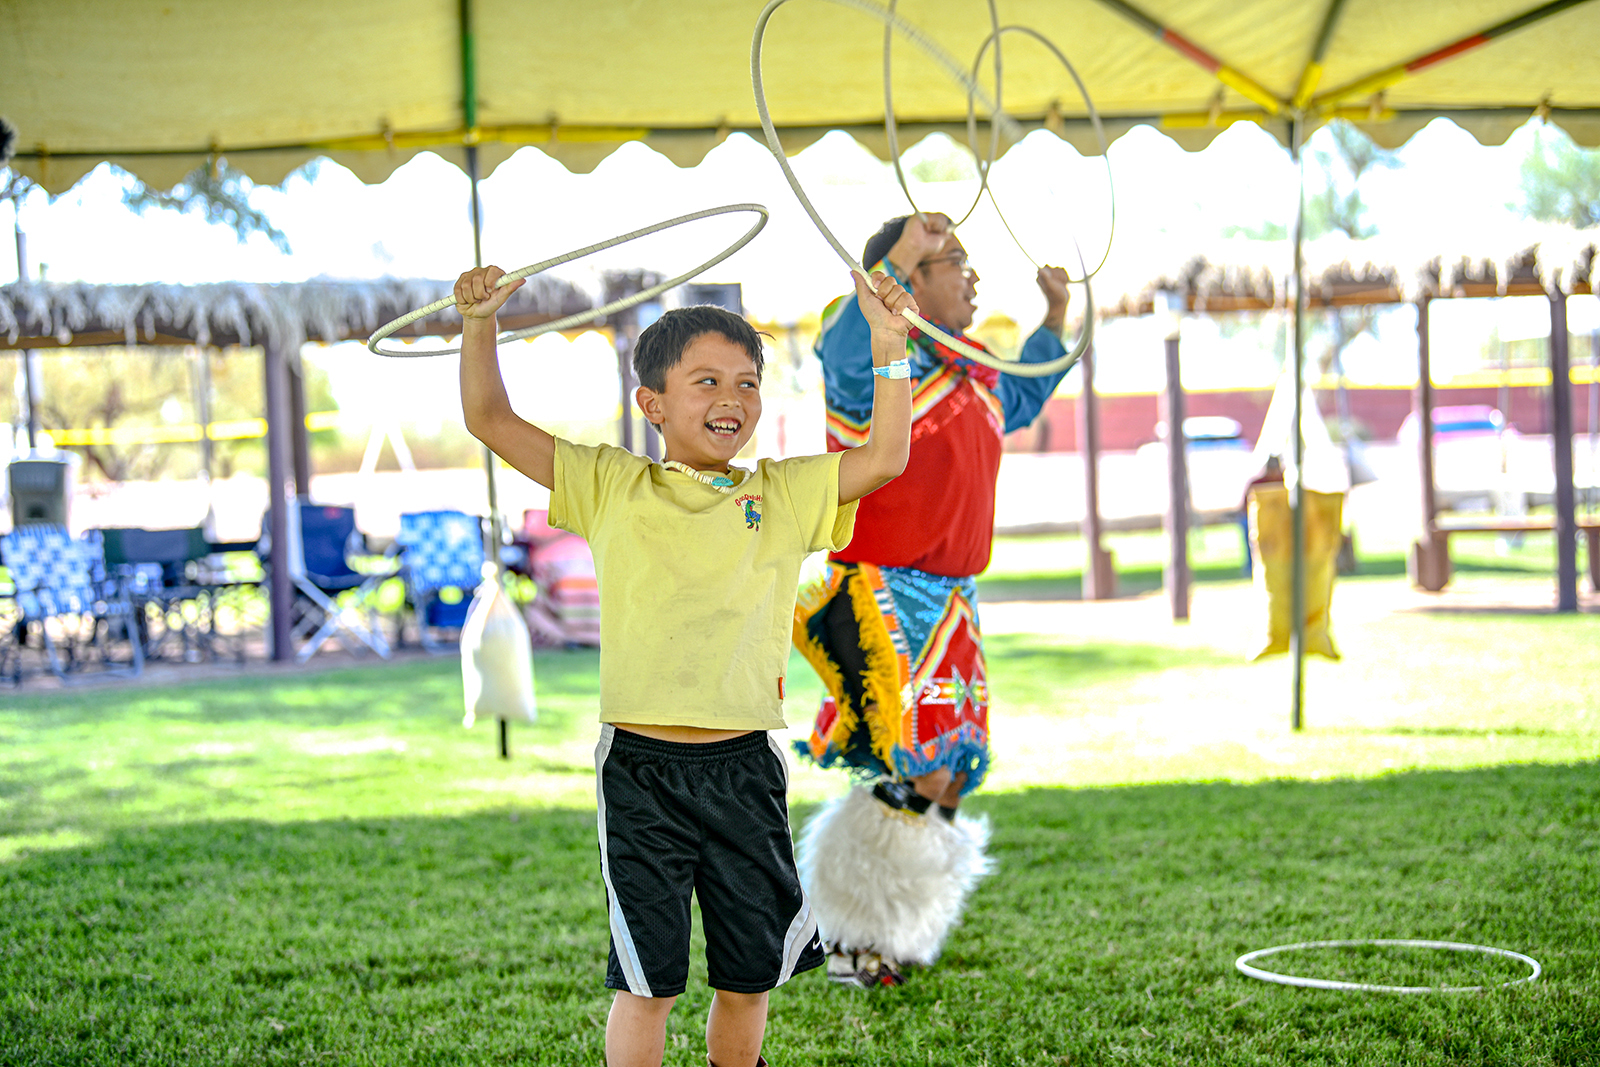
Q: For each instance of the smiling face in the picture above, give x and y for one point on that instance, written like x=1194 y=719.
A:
x=711 y=403
x=945 y=287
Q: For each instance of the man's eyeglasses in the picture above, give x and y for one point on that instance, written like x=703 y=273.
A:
x=958 y=260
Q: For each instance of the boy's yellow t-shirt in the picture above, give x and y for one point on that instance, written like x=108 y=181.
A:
x=697 y=587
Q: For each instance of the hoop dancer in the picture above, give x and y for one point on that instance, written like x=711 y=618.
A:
x=893 y=628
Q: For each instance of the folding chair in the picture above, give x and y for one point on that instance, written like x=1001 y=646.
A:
x=440 y=550
x=321 y=540
x=567 y=610
x=61 y=579
x=160 y=570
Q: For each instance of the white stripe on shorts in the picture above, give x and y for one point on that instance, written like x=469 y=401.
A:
x=621 y=938
x=804 y=926
x=783 y=759
x=801 y=931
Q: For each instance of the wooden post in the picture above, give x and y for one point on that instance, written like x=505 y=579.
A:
x=1099 y=568
x=1589 y=496
x=630 y=384
x=1177 y=517
x=1561 y=443
x=280 y=491
x=625 y=333
x=1429 y=561
x=202 y=409
x=30 y=387
x=299 y=436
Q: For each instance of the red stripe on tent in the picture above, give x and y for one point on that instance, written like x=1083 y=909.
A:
x=1466 y=44
x=1193 y=51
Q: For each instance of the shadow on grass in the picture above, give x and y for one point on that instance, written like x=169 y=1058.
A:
x=318 y=698
x=1116 y=914
x=1472 y=610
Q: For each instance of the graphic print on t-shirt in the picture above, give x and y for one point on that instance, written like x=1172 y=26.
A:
x=751 y=502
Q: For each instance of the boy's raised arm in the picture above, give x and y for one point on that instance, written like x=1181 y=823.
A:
x=484 y=403
x=883 y=457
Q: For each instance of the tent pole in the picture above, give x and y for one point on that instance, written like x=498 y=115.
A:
x=1297 y=600
x=469 y=114
x=1312 y=74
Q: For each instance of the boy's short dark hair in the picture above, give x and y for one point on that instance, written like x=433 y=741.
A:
x=879 y=244
x=661 y=345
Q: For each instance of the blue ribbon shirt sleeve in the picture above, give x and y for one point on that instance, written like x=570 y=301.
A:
x=1023 y=398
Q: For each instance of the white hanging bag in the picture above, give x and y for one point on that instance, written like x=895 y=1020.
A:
x=496 y=658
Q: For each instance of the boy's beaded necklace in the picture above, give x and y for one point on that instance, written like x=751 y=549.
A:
x=722 y=483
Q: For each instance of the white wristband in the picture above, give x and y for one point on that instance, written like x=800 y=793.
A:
x=900 y=368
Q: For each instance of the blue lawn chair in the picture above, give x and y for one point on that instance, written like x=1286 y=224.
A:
x=332 y=598
x=62 y=592
x=441 y=550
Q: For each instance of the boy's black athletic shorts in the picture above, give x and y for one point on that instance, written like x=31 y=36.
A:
x=709 y=819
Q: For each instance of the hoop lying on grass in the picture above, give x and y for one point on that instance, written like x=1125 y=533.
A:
x=1243 y=963
x=958 y=72
x=583 y=317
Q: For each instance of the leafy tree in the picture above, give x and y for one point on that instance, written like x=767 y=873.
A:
x=1561 y=182
x=1265 y=230
x=1333 y=199
x=214 y=188
x=219 y=191
x=1336 y=205
x=940 y=158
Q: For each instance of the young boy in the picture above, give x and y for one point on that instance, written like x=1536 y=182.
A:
x=698 y=564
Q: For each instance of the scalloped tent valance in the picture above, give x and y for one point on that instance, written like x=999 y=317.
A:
x=157 y=89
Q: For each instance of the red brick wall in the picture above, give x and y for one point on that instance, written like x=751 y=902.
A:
x=1128 y=421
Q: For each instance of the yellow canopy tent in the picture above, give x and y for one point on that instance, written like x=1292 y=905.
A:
x=158 y=86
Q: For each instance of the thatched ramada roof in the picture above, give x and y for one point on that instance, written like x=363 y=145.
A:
x=55 y=315
x=1243 y=275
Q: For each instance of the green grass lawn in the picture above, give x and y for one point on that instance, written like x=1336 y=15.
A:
x=324 y=866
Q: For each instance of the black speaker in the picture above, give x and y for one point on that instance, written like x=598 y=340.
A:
x=726 y=295
x=40 y=490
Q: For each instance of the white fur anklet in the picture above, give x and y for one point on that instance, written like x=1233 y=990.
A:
x=891 y=885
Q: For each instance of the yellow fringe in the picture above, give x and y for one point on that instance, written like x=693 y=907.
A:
x=883 y=682
x=811 y=600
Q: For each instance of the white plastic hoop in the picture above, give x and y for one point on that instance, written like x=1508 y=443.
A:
x=1094 y=119
x=891 y=125
x=582 y=317
x=957 y=71
x=1243 y=965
